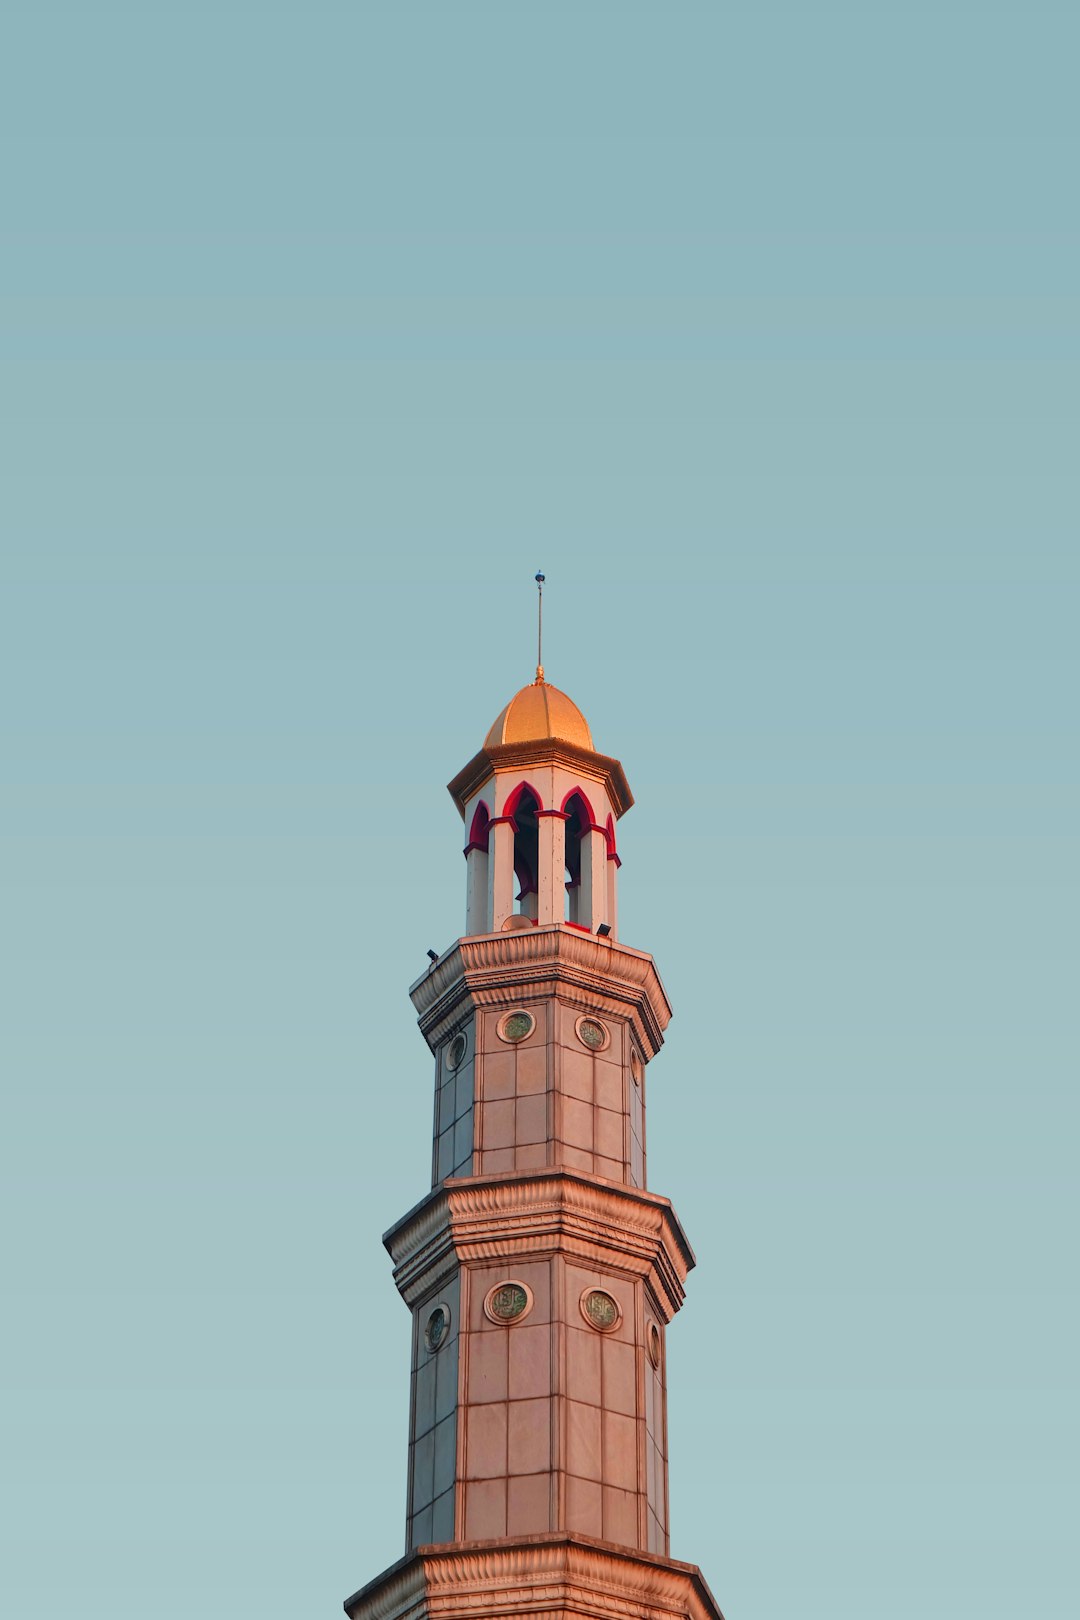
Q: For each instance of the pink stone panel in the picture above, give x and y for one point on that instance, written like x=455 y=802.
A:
x=496 y=1160
x=577 y=1124
x=620 y=1450
x=424 y=1386
x=574 y=1281
x=442 y=1527
x=498 y=1075
x=531 y=1070
x=660 y=1497
x=528 y=1505
x=637 y=1164
x=446 y=1380
x=529 y=1437
x=620 y=1516
x=445 y=1456
x=532 y=1125
x=620 y=1376
x=488 y=1367
x=531 y=1156
x=423 y=1468
x=584 y=1507
x=485 y=1510
x=608 y=1087
x=583 y=1440
x=583 y=1365
x=485 y=1442
x=576 y=1159
x=530 y=1361
x=613 y=1169
x=497 y=1125
x=576 y=1075
x=488 y=1040
x=421 y=1527
x=609 y=1133
x=480 y=1281
x=567 y=1020
x=537 y=1274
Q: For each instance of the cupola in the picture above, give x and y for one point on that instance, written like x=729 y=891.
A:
x=540 y=806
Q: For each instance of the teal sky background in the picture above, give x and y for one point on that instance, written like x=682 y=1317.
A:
x=322 y=327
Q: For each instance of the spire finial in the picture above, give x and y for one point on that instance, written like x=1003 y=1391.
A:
x=539 y=681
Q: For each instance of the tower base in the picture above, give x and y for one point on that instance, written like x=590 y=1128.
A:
x=549 y=1575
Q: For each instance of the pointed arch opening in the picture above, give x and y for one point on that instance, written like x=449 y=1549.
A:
x=578 y=813
x=523 y=809
x=478 y=829
x=476 y=858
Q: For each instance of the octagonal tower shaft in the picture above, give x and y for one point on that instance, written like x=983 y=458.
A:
x=540 y=1271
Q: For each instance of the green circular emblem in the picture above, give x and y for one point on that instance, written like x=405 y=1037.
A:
x=508 y=1302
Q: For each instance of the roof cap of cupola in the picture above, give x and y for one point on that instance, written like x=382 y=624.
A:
x=539 y=724
x=537 y=713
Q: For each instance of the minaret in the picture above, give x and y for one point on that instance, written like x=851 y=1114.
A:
x=540 y=1272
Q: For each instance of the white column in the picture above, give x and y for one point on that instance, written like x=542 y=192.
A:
x=612 y=895
x=550 y=881
x=476 y=892
x=593 y=902
x=500 y=872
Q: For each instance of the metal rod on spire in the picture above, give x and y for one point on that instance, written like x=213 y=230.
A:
x=540 y=627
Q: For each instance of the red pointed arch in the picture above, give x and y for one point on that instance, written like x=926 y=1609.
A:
x=576 y=793
x=478 y=829
x=511 y=807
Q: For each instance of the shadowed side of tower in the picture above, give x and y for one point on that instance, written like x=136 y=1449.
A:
x=540 y=1271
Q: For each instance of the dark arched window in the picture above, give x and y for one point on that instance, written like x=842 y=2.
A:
x=578 y=815
x=478 y=831
x=522 y=807
x=476 y=854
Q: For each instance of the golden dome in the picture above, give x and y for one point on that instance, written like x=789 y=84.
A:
x=538 y=712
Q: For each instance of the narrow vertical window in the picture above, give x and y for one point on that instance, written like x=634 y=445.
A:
x=526 y=851
x=577 y=823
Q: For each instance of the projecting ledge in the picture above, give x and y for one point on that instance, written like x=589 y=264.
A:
x=500 y=970
x=554 y=1575
x=603 y=1223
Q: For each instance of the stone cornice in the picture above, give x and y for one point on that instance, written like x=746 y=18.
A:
x=602 y=1223
x=536 y=1575
x=544 y=751
x=496 y=970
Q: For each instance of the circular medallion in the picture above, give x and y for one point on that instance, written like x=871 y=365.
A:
x=600 y=1310
x=516 y=1026
x=437 y=1329
x=654 y=1344
x=592 y=1033
x=508 y=1302
x=456 y=1055
x=636 y=1065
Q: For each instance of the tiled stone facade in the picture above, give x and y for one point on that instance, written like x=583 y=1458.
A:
x=561 y=1425
x=540 y=1271
x=546 y=1100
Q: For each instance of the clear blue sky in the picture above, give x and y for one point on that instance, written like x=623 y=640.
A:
x=322 y=327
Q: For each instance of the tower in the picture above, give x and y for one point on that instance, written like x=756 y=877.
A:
x=540 y=1271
